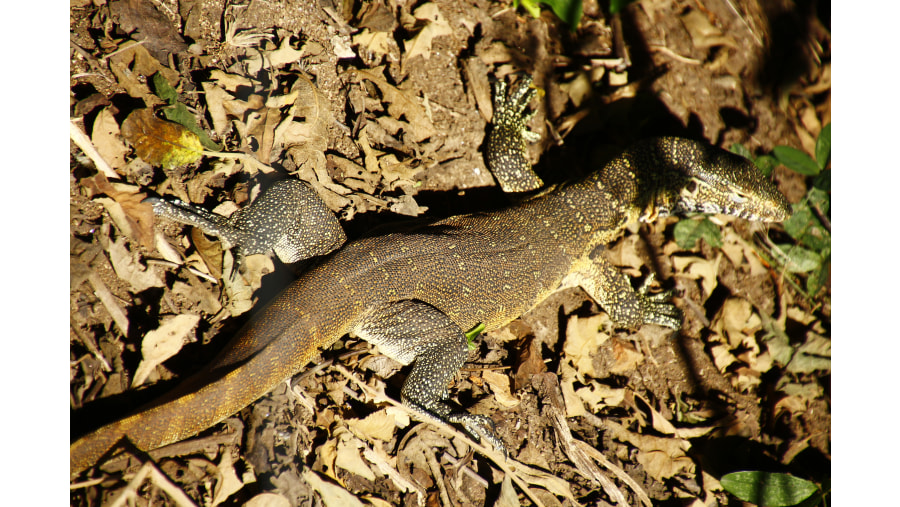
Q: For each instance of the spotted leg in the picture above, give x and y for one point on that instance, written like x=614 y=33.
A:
x=413 y=332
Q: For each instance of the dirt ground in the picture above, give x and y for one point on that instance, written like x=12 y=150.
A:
x=392 y=128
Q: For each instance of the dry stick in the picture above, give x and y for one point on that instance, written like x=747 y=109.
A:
x=156 y=477
x=619 y=473
x=452 y=432
x=82 y=141
x=91 y=345
x=109 y=301
x=556 y=410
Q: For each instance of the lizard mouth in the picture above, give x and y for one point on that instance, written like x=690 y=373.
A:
x=699 y=196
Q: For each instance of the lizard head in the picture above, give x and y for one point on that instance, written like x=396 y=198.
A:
x=682 y=176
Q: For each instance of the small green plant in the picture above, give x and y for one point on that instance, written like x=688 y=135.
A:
x=809 y=256
x=178 y=112
x=768 y=489
x=566 y=10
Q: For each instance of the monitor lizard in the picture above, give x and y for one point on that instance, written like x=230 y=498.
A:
x=414 y=293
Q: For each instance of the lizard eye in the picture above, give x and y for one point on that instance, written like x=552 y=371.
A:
x=737 y=197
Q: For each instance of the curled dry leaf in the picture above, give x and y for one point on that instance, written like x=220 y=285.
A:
x=105 y=137
x=583 y=339
x=332 y=494
x=500 y=386
x=132 y=216
x=435 y=26
x=159 y=142
x=379 y=425
x=349 y=455
x=139 y=277
x=268 y=500
x=400 y=104
x=163 y=343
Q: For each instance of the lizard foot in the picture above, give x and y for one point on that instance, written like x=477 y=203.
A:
x=656 y=308
x=482 y=428
x=505 y=150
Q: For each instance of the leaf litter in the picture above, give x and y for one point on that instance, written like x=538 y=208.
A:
x=273 y=115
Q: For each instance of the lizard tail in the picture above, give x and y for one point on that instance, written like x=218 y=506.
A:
x=189 y=410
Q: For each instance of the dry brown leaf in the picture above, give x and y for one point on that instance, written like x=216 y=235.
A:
x=163 y=343
x=435 y=26
x=574 y=404
x=698 y=268
x=703 y=33
x=132 y=216
x=380 y=425
x=741 y=253
x=500 y=386
x=240 y=287
x=268 y=500
x=583 y=339
x=105 y=138
x=598 y=396
x=159 y=142
x=228 y=483
x=626 y=355
x=215 y=99
x=349 y=457
x=400 y=104
x=332 y=494
x=661 y=458
x=737 y=323
x=139 y=277
x=230 y=82
x=379 y=43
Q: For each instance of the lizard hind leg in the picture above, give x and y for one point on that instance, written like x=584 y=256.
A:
x=413 y=332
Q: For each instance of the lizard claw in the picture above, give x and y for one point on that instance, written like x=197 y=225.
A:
x=482 y=428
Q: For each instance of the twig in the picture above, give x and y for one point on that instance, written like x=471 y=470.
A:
x=659 y=48
x=508 y=466
x=91 y=345
x=109 y=302
x=122 y=49
x=740 y=16
x=83 y=141
x=159 y=479
x=170 y=264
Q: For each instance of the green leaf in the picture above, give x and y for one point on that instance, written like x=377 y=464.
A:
x=823 y=181
x=799 y=259
x=163 y=89
x=767 y=488
x=796 y=160
x=566 y=10
x=740 y=149
x=823 y=146
x=687 y=232
x=820 y=199
x=818 y=278
x=179 y=114
x=766 y=163
x=530 y=6
x=472 y=334
x=805 y=227
x=617 y=5
x=569 y=11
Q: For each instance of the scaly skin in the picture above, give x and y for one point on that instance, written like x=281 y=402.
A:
x=487 y=268
x=413 y=293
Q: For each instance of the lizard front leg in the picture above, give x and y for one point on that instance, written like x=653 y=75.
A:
x=612 y=290
x=288 y=218
x=413 y=332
